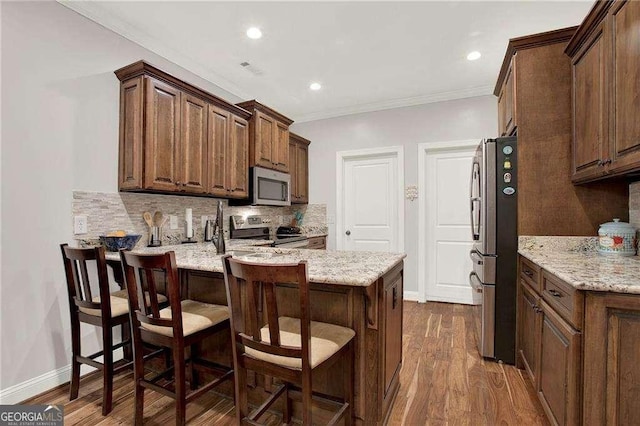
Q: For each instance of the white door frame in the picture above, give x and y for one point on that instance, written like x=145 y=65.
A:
x=423 y=150
x=341 y=157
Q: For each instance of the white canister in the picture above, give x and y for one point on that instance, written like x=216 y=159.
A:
x=617 y=238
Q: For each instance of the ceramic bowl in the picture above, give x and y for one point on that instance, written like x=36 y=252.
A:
x=127 y=242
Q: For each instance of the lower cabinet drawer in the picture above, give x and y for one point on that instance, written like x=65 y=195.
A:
x=564 y=298
x=317 y=243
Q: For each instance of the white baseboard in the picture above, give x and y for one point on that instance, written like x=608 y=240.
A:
x=32 y=387
x=412 y=296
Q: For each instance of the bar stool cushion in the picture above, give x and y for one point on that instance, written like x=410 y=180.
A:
x=326 y=340
x=119 y=304
x=196 y=316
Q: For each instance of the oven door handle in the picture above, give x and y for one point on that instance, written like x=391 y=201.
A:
x=475 y=282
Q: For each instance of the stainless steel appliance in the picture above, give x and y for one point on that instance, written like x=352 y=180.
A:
x=494 y=217
x=290 y=237
x=254 y=227
x=267 y=188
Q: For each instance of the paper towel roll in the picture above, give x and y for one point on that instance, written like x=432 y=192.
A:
x=188 y=217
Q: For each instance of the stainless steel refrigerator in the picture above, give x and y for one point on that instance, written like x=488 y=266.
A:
x=494 y=225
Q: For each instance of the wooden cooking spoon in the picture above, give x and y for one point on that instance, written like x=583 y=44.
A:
x=157 y=218
x=147 y=218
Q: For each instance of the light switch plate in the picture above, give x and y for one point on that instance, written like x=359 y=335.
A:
x=173 y=221
x=80 y=224
x=203 y=220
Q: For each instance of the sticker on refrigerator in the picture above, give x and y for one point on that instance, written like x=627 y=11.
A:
x=509 y=190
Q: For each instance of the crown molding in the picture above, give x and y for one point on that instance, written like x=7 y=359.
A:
x=396 y=103
x=93 y=11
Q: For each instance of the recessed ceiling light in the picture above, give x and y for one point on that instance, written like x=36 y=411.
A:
x=474 y=55
x=254 y=33
x=315 y=86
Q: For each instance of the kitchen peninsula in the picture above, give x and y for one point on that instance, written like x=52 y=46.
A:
x=360 y=290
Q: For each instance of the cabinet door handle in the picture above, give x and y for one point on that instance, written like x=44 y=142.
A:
x=536 y=309
x=528 y=273
x=600 y=163
x=555 y=293
x=178 y=183
x=608 y=161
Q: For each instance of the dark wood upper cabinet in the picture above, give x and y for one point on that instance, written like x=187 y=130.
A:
x=534 y=90
x=625 y=33
x=268 y=137
x=218 y=138
x=299 y=168
x=131 y=153
x=590 y=112
x=194 y=161
x=238 y=154
x=606 y=92
x=176 y=138
x=162 y=136
x=506 y=103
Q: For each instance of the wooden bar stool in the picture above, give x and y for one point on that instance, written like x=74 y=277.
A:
x=284 y=347
x=105 y=310
x=185 y=323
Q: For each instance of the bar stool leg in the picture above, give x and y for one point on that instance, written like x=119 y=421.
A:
x=107 y=370
x=75 y=352
x=180 y=384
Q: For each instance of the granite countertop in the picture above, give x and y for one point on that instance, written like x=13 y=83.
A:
x=316 y=234
x=353 y=268
x=576 y=261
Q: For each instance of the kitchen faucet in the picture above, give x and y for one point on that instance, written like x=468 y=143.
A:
x=218 y=233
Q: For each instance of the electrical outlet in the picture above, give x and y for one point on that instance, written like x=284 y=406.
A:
x=80 y=225
x=203 y=220
x=331 y=219
x=173 y=221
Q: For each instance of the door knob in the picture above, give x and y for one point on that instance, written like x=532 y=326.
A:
x=348 y=232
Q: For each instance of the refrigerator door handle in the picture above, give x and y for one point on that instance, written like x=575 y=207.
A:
x=475 y=282
x=475 y=175
x=475 y=257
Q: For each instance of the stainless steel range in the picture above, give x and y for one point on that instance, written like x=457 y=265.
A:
x=255 y=228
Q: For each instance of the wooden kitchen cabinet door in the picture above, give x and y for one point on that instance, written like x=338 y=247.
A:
x=218 y=141
x=238 y=158
x=559 y=386
x=529 y=331
x=265 y=145
x=194 y=145
x=131 y=138
x=590 y=108
x=299 y=168
x=624 y=29
x=391 y=354
x=509 y=101
x=281 y=151
x=162 y=136
x=611 y=359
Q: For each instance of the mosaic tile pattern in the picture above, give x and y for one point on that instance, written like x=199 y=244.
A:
x=576 y=261
x=333 y=267
x=123 y=210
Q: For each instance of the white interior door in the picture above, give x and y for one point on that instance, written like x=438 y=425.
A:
x=444 y=212
x=370 y=201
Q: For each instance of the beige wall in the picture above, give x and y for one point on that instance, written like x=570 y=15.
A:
x=59 y=133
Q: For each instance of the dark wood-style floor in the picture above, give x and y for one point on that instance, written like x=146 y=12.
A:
x=443 y=381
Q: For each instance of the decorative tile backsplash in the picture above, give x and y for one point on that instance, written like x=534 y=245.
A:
x=108 y=212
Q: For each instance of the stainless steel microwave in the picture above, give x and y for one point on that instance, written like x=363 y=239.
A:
x=269 y=188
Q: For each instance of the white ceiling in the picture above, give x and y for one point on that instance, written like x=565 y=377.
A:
x=367 y=55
